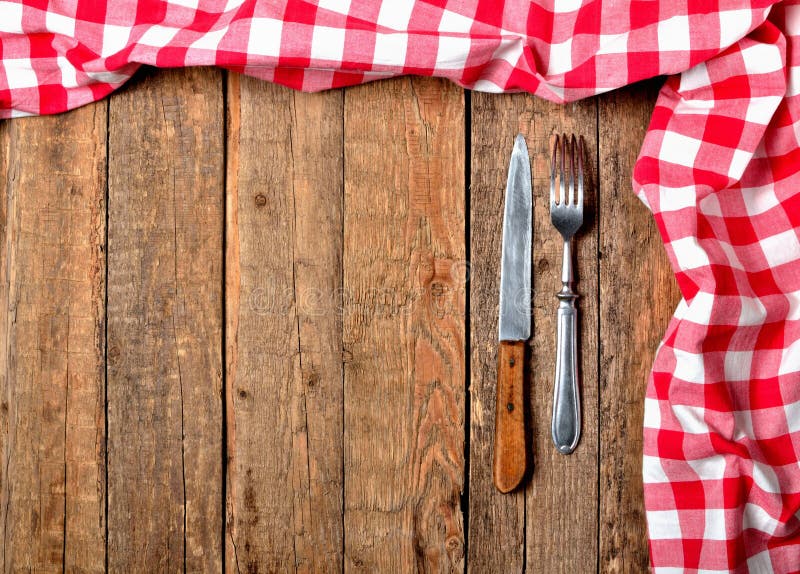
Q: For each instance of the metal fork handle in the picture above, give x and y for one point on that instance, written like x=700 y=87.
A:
x=566 y=425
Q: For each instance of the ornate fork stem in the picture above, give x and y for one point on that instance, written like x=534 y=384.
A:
x=566 y=425
x=566 y=213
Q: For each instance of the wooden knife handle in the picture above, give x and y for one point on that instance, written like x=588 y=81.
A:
x=510 y=454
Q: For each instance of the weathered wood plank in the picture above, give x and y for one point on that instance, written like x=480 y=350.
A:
x=560 y=500
x=404 y=250
x=495 y=517
x=637 y=297
x=52 y=296
x=562 y=497
x=165 y=281
x=284 y=330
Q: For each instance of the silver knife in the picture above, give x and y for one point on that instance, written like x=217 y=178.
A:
x=510 y=452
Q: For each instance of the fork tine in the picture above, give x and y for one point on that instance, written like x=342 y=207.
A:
x=561 y=184
x=580 y=172
x=572 y=170
x=553 y=174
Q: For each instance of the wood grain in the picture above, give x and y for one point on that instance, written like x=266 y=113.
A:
x=404 y=264
x=493 y=516
x=164 y=324
x=510 y=452
x=637 y=297
x=562 y=497
x=52 y=292
x=284 y=333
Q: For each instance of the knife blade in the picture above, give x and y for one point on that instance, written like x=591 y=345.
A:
x=510 y=452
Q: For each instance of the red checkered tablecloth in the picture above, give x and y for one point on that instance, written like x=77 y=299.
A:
x=719 y=168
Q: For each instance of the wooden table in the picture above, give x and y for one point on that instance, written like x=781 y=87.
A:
x=252 y=330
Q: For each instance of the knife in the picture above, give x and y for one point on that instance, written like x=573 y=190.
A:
x=510 y=453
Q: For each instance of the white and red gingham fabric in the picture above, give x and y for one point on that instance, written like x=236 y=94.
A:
x=720 y=169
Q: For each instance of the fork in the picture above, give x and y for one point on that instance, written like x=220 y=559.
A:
x=566 y=214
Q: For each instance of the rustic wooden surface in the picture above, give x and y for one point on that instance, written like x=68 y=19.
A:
x=164 y=316
x=251 y=330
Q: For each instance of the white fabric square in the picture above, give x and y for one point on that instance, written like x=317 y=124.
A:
x=390 y=48
x=663 y=524
x=265 y=37
x=487 y=86
x=327 y=43
x=452 y=52
x=11 y=20
x=738 y=164
x=509 y=50
x=692 y=419
x=560 y=58
x=737 y=365
x=752 y=312
x=790 y=359
x=757 y=518
x=781 y=248
x=762 y=59
x=794 y=305
x=765 y=478
x=759 y=199
x=19 y=73
x=793 y=87
x=209 y=40
x=676 y=198
x=695 y=78
x=689 y=253
x=761 y=109
x=699 y=310
x=689 y=367
x=69 y=77
x=673 y=34
x=652 y=471
x=680 y=312
x=652 y=413
x=733 y=25
x=694 y=107
x=395 y=14
x=710 y=468
x=193 y=4
x=680 y=149
x=115 y=38
x=233 y=5
x=158 y=36
x=715 y=524
x=563 y=6
x=338 y=6
x=59 y=24
x=792 y=412
x=453 y=22
x=613 y=43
